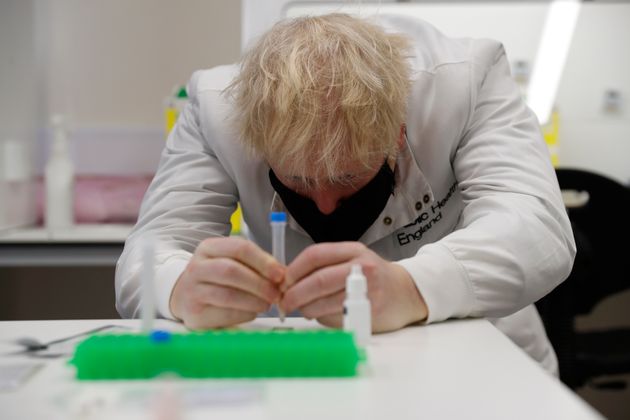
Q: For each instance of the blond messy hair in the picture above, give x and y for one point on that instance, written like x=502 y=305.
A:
x=317 y=92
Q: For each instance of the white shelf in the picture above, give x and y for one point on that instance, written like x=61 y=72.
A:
x=83 y=233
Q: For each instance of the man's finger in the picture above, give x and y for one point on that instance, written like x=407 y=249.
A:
x=229 y=298
x=328 y=305
x=318 y=256
x=332 y=321
x=244 y=251
x=232 y=273
x=320 y=283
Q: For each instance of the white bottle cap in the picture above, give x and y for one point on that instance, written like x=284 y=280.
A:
x=356 y=283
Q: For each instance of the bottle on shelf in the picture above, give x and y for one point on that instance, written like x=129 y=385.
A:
x=174 y=105
x=59 y=179
x=17 y=185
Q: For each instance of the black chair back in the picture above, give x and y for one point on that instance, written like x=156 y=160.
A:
x=602 y=268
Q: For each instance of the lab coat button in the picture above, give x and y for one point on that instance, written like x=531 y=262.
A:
x=387 y=220
x=426 y=198
x=418 y=205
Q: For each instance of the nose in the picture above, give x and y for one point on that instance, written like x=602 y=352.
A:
x=325 y=200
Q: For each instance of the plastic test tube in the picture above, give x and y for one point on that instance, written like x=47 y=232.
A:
x=278 y=221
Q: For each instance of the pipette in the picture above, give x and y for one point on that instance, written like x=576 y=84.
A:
x=278 y=222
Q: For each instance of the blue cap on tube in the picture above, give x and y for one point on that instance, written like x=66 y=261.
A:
x=277 y=216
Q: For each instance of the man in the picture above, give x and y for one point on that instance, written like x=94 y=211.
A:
x=412 y=155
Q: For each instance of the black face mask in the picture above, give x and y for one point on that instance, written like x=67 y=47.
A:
x=350 y=220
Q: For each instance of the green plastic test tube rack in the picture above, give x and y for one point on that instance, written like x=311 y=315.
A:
x=219 y=354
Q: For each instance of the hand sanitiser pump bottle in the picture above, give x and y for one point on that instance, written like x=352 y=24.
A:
x=356 y=308
x=59 y=180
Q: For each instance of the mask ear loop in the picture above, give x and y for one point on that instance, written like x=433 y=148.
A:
x=403 y=141
x=276 y=202
x=403 y=136
x=409 y=149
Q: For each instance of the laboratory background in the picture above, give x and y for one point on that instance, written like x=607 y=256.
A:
x=89 y=90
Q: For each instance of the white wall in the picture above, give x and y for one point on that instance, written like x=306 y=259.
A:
x=112 y=63
x=109 y=65
x=22 y=109
x=106 y=65
x=260 y=15
x=599 y=59
x=19 y=70
x=257 y=16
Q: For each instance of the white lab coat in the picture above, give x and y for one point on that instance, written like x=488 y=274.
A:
x=476 y=217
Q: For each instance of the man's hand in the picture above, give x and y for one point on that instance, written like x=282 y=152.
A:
x=315 y=283
x=227 y=281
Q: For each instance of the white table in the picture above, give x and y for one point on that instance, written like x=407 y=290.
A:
x=453 y=370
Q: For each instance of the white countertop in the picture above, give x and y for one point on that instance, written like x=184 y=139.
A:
x=80 y=233
x=451 y=370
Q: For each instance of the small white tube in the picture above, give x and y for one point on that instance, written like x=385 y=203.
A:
x=357 y=316
x=278 y=222
x=148 y=283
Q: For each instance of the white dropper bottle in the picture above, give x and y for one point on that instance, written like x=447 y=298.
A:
x=59 y=179
x=357 y=317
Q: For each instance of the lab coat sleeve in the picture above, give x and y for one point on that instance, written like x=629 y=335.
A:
x=190 y=198
x=513 y=243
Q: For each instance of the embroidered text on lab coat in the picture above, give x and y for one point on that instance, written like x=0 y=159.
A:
x=426 y=220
